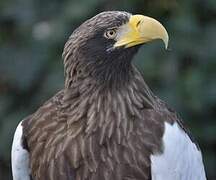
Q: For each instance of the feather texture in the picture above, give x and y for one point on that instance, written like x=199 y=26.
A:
x=105 y=142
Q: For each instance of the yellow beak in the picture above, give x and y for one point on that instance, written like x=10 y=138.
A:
x=139 y=30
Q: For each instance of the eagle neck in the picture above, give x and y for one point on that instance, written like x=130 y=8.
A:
x=103 y=108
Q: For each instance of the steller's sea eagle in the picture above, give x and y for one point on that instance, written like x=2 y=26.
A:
x=106 y=124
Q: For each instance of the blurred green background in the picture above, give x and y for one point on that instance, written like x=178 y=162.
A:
x=32 y=36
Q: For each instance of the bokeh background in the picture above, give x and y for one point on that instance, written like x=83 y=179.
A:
x=32 y=36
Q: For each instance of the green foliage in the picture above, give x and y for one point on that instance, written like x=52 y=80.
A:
x=32 y=36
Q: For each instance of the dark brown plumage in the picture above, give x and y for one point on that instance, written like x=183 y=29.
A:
x=106 y=122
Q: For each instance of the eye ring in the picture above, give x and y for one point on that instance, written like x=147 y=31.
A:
x=110 y=34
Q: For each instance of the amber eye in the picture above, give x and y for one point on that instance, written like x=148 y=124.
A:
x=110 y=34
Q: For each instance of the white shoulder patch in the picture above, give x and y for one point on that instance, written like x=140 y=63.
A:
x=19 y=157
x=180 y=160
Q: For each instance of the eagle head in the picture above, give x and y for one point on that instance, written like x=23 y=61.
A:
x=103 y=46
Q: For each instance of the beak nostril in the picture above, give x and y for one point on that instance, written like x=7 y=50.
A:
x=138 y=23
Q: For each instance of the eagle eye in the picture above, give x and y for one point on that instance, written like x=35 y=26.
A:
x=110 y=34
